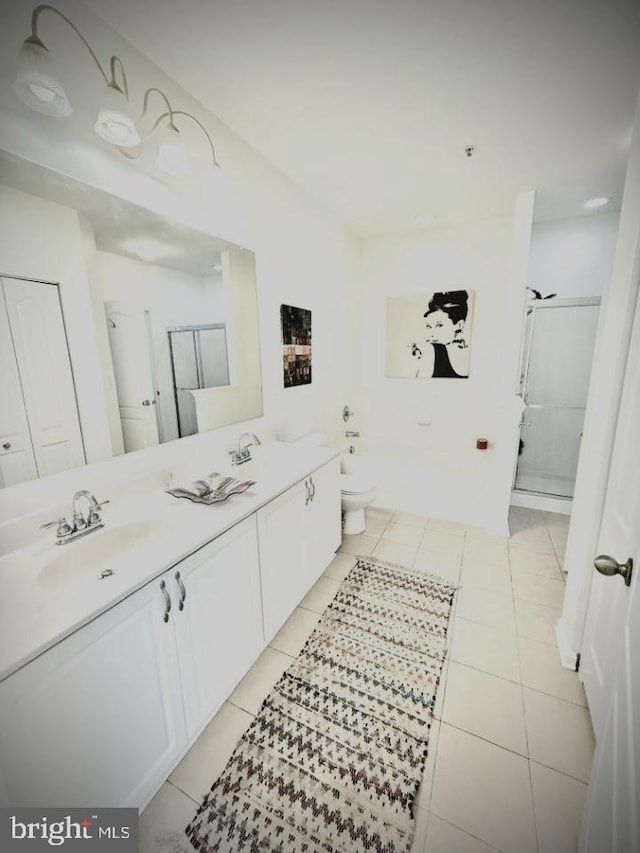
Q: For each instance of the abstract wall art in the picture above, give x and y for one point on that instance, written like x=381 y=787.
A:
x=296 y=345
x=428 y=335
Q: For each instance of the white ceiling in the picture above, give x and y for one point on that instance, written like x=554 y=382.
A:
x=369 y=104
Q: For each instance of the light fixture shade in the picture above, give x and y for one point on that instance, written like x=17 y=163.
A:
x=172 y=157
x=114 y=123
x=35 y=83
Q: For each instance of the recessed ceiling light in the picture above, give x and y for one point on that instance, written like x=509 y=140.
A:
x=597 y=201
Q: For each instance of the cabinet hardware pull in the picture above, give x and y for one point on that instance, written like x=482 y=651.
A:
x=308 y=498
x=7 y=445
x=183 y=591
x=313 y=488
x=167 y=601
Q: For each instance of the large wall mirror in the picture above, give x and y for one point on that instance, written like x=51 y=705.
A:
x=166 y=315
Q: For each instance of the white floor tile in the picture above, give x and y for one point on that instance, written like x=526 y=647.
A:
x=443 y=837
x=541 y=670
x=445 y=566
x=255 y=686
x=359 y=543
x=496 y=578
x=403 y=534
x=559 y=733
x=339 y=567
x=394 y=552
x=420 y=834
x=493 y=553
x=486 y=648
x=484 y=790
x=534 y=538
x=443 y=543
x=295 y=632
x=379 y=512
x=320 y=595
x=207 y=758
x=163 y=822
x=537 y=589
x=558 y=802
x=486 y=706
x=487 y=607
x=535 y=563
x=536 y=621
x=375 y=526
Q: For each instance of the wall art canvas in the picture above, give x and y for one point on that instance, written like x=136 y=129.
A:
x=429 y=335
x=296 y=345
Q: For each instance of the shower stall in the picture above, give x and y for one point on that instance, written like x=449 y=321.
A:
x=558 y=350
x=199 y=359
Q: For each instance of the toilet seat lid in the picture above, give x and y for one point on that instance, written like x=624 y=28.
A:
x=353 y=484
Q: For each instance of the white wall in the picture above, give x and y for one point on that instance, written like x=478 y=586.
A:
x=573 y=257
x=440 y=471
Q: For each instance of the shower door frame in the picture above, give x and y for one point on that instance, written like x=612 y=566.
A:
x=537 y=305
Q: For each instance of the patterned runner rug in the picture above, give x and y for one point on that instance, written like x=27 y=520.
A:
x=335 y=756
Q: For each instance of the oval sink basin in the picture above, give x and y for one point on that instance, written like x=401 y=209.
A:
x=85 y=559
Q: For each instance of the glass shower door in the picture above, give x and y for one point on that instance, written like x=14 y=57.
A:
x=558 y=365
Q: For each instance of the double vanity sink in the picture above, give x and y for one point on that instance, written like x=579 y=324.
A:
x=117 y=648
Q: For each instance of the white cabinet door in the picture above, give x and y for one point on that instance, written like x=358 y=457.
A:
x=283 y=550
x=219 y=628
x=299 y=533
x=17 y=460
x=43 y=361
x=98 y=718
x=324 y=522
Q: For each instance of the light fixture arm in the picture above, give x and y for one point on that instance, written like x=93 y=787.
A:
x=200 y=125
x=170 y=112
x=35 y=38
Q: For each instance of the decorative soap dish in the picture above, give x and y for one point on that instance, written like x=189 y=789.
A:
x=212 y=489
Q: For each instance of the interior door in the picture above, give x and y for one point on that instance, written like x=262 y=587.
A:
x=17 y=460
x=46 y=379
x=133 y=370
x=609 y=659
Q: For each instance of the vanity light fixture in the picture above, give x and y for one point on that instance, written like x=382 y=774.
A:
x=597 y=201
x=37 y=86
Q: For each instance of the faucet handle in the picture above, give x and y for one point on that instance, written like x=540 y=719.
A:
x=63 y=526
x=93 y=516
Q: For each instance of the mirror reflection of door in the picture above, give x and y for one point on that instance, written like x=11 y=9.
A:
x=134 y=372
x=199 y=359
x=39 y=423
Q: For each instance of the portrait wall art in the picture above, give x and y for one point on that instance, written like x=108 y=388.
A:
x=428 y=335
x=296 y=345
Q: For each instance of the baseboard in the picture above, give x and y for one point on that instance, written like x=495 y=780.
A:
x=568 y=656
x=535 y=500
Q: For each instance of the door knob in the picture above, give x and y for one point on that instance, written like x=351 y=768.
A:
x=148 y=402
x=608 y=566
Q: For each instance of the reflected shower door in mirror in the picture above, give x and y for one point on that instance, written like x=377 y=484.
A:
x=127 y=277
x=199 y=359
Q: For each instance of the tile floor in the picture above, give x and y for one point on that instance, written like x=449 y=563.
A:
x=511 y=742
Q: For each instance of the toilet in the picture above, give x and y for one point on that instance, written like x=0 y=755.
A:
x=357 y=493
x=357 y=490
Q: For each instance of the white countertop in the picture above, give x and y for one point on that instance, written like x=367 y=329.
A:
x=38 y=609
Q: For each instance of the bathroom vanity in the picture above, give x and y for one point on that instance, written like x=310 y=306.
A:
x=109 y=678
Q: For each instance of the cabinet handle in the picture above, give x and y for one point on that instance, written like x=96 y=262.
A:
x=183 y=591
x=167 y=601
x=6 y=445
x=308 y=498
x=313 y=487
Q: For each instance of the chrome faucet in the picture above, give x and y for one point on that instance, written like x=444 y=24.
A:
x=243 y=454
x=80 y=525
